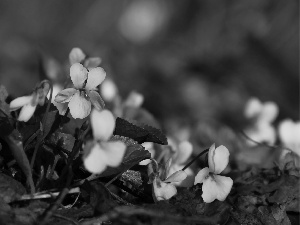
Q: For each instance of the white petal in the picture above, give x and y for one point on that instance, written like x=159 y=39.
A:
x=95 y=160
x=108 y=90
x=65 y=95
x=163 y=191
x=218 y=159
x=269 y=112
x=103 y=124
x=79 y=106
x=188 y=181
x=78 y=75
x=19 y=102
x=201 y=175
x=286 y=132
x=185 y=150
x=134 y=99
x=26 y=112
x=216 y=188
x=177 y=176
x=96 y=100
x=114 y=152
x=76 y=56
x=253 y=108
x=92 y=62
x=95 y=77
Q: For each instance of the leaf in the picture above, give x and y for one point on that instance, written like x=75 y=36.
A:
x=133 y=155
x=14 y=141
x=61 y=140
x=10 y=189
x=141 y=134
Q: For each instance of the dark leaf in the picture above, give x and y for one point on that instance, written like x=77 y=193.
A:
x=141 y=133
x=10 y=189
x=61 y=140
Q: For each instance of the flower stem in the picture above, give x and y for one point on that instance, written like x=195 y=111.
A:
x=40 y=140
x=194 y=159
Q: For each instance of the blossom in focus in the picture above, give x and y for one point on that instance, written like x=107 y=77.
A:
x=84 y=92
x=101 y=152
x=215 y=186
x=77 y=56
x=29 y=103
x=262 y=115
x=164 y=189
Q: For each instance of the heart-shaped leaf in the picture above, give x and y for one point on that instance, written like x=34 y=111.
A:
x=140 y=133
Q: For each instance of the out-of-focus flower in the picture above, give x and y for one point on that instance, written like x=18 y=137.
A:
x=141 y=20
x=182 y=152
x=29 y=103
x=289 y=135
x=134 y=100
x=215 y=186
x=150 y=147
x=108 y=90
x=102 y=152
x=77 y=56
x=262 y=115
x=84 y=92
x=164 y=189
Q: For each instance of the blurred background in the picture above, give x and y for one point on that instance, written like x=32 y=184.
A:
x=192 y=60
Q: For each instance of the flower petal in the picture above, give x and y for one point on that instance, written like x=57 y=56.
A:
x=253 y=108
x=217 y=187
x=78 y=75
x=114 y=152
x=163 y=191
x=26 y=112
x=218 y=159
x=76 y=56
x=177 y=176
x=79 y=106
x=95 y=160
x=269 y=112
x=103 y=124
x=108 y=90
x=189 y=180
x=95 y=77
x=96 y=100
x=201 y=175
x=19 y=102
x=92 y=62
x=185 y=150
x=286 y=132
x=65 y=95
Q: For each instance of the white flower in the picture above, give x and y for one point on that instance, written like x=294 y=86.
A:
x=84 y=93
x=109 y=90
x=289 y=135
x=29 y=103
x=183 y=151
x=102 y=152
x=215 y=186
x=163 y=189
x=134 y=100
x=77 y=56
x=262 y=115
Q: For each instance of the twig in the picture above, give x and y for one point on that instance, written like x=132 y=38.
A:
x=66 y=218
x=126 y=211
x=51 y=209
